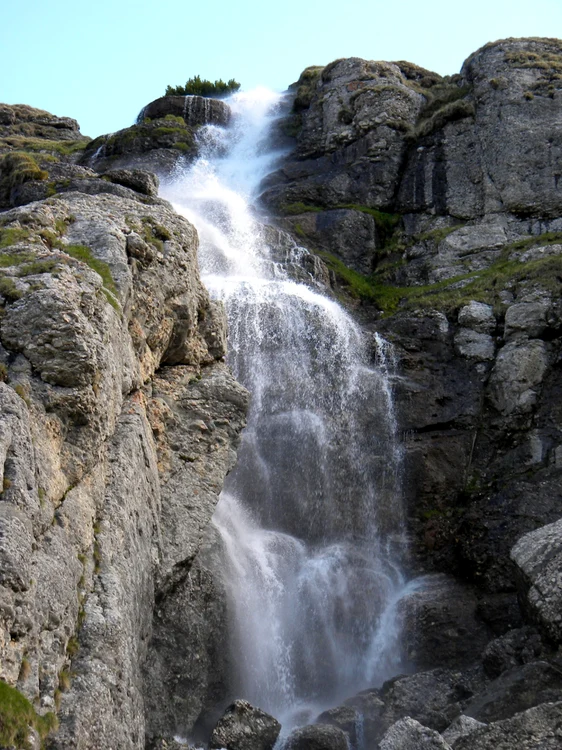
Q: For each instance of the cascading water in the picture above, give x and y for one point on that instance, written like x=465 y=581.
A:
x=310 y=517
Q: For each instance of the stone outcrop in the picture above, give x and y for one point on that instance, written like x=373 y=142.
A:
x=195 y=110
x=118 y=423
x=162 y=137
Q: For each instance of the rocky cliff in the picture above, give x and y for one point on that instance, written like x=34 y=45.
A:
x=118 y=423
x=434 y=211
x=436 y=205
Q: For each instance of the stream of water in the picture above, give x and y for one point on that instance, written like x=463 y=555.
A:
x=310 y=517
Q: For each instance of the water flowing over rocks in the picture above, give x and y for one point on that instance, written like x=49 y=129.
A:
x=431 y=208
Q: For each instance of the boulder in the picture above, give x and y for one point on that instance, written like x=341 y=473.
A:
x=409 y=734
x=516 y=690
x=538 y=556
x=433 y=698
x=244 y=727
x=317 y=737
x=195 y=110
x=462 y=726
x=345 y=718
x=516 y=647
x=137 y=179
x=538 y=728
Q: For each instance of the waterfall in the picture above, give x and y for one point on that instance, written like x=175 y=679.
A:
x=310 y=518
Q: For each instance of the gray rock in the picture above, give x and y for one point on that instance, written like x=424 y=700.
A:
x=535 y=729
x=137 y=179
x=538 y=556
x=346 y=718
x=351 y=235
x=516 y=690
x=516 y=647
x=244 y=727
x=317 y=737
x=478 y=317
x=434 y=698
x=475 y=345
x=528 y=318
x=517 y=375
x=409 y=734
x=462 y=726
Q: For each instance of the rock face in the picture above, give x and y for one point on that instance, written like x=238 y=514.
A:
x=118 y=423
x=435 y=204
x=420 y=184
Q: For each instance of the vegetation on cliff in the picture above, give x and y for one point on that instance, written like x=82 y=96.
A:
x=18 y=717
x=198 y=86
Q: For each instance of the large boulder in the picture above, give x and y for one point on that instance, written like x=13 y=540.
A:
x=537 y=728
x=516 y=690
x=538 y=556
x=244 y=727
x=317 y=737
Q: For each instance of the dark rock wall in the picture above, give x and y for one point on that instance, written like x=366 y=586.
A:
x=444 y=194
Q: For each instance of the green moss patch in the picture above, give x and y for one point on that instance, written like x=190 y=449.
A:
x=11 y=236
x=84 y=254
x=17 y=715
x=451 y=294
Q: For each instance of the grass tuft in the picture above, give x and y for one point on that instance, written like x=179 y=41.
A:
x=17 y=715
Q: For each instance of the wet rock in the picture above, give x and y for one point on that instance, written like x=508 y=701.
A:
x=195 y=110
x=409 y=734
x=516 y=690
x=433 y=698
x=317 y=737
x=345 y=718
x=516 y=647
x=441 y=624
x=538 y=728
x=244 y=727
x=370 y=706
x=351 y=235
x=538 y=556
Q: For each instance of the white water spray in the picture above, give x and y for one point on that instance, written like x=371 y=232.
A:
x=310 y=517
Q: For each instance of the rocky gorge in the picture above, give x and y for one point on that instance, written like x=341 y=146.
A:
x=431 y=208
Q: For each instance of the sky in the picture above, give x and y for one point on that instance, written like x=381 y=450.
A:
x=101 y=62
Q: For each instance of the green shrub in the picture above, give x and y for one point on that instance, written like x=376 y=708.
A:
x=202 y=87
x=17 y=715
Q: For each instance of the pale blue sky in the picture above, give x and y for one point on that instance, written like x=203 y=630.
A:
x=101 y=62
